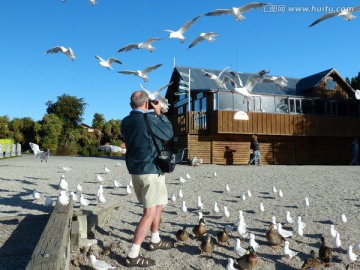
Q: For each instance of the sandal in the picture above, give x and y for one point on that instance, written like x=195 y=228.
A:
x=139 y=261
x=161 y=245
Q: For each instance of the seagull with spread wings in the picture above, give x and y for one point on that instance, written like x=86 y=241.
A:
x=346 y=14
x=204 y=36
x=220 y=83
x=179 y=34
x=236 y=12
x=67 y=51
x=146 y=45
x=107 y=63
x=156 y=95
x=141 y=73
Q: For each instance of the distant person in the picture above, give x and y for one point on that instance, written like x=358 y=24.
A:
x=354 y=152
x=229 y=155
x=148 y=180
x=256 y=152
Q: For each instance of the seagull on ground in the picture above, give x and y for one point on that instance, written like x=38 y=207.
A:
x=219 y=82
x=253 y=243
x=284 y=233
x=66 y=169
x=280 y=194
x=226 y=212
x=147 y=45
x=288 y=217
x=117 y=184
x=216 y=208
x=107 y=63
x=187 y=175
x=261 y=207
x=274 y=189
x=99 y=178
x=345 y=13
x=227 y=188
x=241 y=218
x=74 y=196
x=36 y=194
x=141 y=73
x=203 y=36
x=230 y=264
x=299 y=227
x=63 y=199
x=343 y=218
x=182 y=180
x=84 y=202
x=131 y=183
x=236 y=12
x=101 y=197
x=200 y=205
x=100 y=265
x=238 y=249
x=67 y=51
x=79 y=187
x=128 y=189
x=249 y=193
x=173 y=198
x=241 y=229
x=107 y=170
x=183 y=207
x=336 y=241
x=351 y=255
x=287 y=252
x=64 y=185
x=333 y=232
x=179 y=34
x=100 y=190
x=180 y=194
x=306 y=202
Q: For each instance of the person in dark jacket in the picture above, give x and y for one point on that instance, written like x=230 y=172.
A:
x=148 y=180
x=256 y=151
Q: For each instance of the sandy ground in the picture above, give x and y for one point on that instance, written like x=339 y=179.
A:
x=331 y=190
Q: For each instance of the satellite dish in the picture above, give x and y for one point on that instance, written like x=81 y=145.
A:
x=357 y=94
x=241 y=115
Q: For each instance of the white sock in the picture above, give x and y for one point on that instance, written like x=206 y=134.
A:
x=134 y=251
x=155 y=237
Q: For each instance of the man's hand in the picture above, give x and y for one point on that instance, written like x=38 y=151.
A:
x=156 y=107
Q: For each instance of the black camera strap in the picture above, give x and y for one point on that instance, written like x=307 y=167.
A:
x=151 y=133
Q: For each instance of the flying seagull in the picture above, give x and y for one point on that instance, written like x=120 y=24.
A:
x=141 y=73
x=204 y=36
x=68 y=52
x=39 y=153
x=92 y=2
x=236 y=12
x=346 y=14
x=107 y=63
x=179 y=34
x=156 y=95
x=147 y=45
x=220 y=83
x=251 y=82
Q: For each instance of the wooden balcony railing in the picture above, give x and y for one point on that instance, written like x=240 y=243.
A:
x=266 y=123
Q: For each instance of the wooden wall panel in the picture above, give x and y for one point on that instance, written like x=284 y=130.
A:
x=199 y=146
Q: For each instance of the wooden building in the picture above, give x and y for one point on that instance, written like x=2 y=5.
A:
x=312 y=120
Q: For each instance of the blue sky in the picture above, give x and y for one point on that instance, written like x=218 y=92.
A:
x=275 y=38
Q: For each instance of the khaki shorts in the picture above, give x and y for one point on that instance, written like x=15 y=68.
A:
x=150 y=189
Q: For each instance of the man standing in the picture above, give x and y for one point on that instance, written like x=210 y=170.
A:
x=148 y=181
x=354 y=152
x=256 y=152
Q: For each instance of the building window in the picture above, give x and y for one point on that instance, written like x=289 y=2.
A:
x=282 y=105
x=307 y=106
x=225 y=101
x=330 y=84
x=319 y=107
x=268 y=104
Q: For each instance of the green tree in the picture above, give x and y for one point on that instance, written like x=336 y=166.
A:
x=354 y=82
x=4 y=127
x=52 y=127
x=16 y=126
x=28 y=132
x=98 y=121
x=68 y=108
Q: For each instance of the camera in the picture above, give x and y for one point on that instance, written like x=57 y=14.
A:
x=154 y=101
